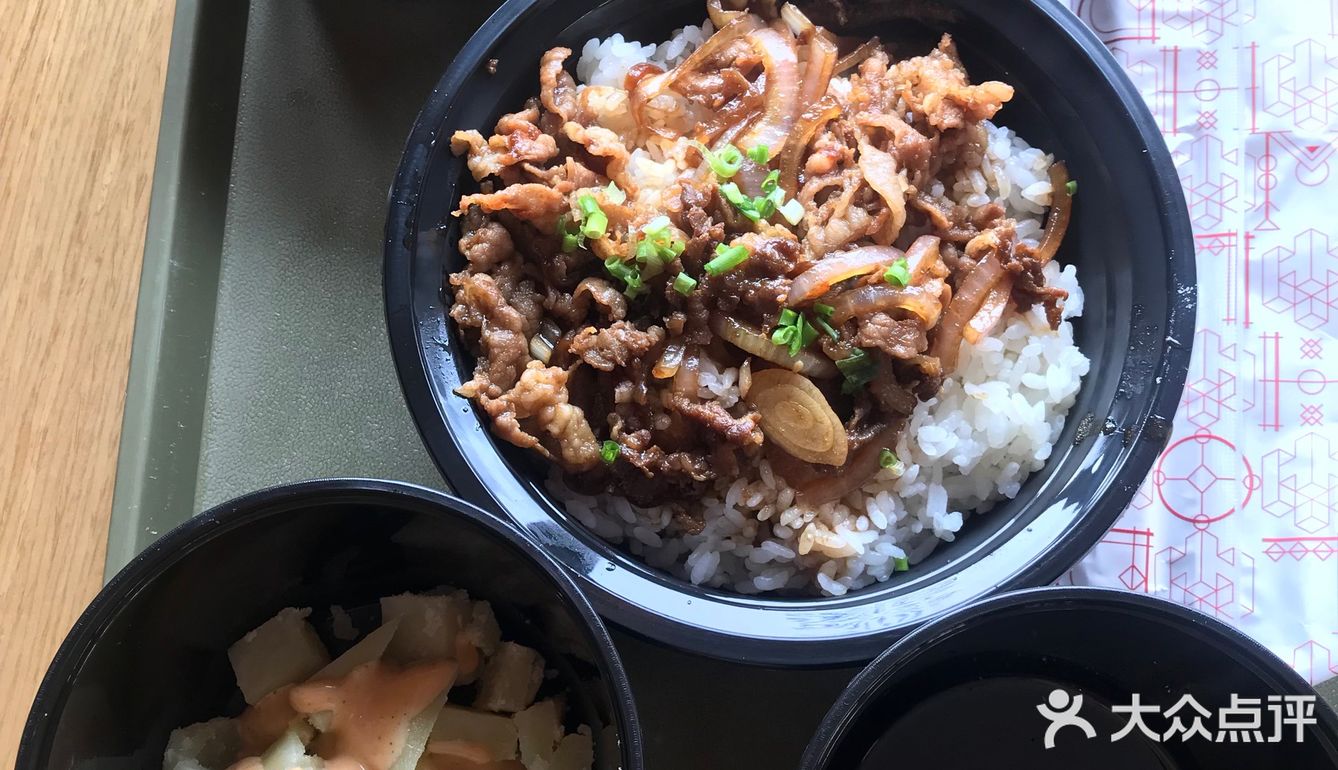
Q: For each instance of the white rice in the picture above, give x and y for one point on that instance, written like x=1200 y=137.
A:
x=993 y=423
x=605 y=62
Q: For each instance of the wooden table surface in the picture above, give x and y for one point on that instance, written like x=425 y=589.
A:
x=81 y=88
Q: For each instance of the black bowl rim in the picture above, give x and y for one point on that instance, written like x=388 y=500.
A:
x=184 y=539
x=757 y=647
x=1174 y=616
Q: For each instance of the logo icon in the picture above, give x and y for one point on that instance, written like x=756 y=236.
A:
x=1062 y=708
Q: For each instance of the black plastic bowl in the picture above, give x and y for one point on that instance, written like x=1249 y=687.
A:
x=150 y=653
x=1130 y=239
x=963 y=691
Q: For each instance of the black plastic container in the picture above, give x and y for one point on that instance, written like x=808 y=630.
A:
x=150 y=653
x=964 y=690
x=1130 y=239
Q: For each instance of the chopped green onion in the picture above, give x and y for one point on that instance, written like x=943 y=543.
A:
x=628 y=274
x=858 y=369
x=594 y=223
x=614 y=195
x=646 y=250
x=727 y=258
x=784 y=327
x=609 y=452
x=823 y=314
x=899 y=274
x=793 y=331
x=771 y=183
x=657 y=227
x=725 y=163
x=760 y=154
x=1072 y=187
x=684 y=284
x=827 y=328
x=886 y=458
x=746 y=206
x=765 y=207
x=572 y=239
x=658 y=243
x=900 y=564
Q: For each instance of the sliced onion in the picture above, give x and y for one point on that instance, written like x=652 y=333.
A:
x=685 y=380
x=670 y=360
x=719 y=16
x=795 y=19
x=818 y=69
x=741 y=25
x=814 y=116
x=991 y=311
x=543 y=342
x=859 y=468
x=639 y=72
x=924 y=261
x=880 y=171
x=781 y=62
x=1061 y=209
x=733 y=117
x=649 y=88
x=853 y=59
x=834 y=268
x=970 y=296
x=759 y=344
x=796 y=416
x=923 y=301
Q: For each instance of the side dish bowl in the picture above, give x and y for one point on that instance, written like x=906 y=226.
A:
x=990 y=667
x=150 y=654
x=1130 y=239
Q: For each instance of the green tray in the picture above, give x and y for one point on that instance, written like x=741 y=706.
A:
x=260 y=352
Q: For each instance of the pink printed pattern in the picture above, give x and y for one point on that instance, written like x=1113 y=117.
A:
x=1239 y=518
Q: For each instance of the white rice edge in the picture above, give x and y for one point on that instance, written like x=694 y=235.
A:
x=606 y=62
x=992 y=424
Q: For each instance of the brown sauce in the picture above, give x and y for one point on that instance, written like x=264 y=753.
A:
x=371 y=708
x=265 y=722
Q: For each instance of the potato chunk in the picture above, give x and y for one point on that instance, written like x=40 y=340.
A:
x=372 y=647
x=511 y=679
x=428 y=625
x=211 y=745
x=576 y=752
x=483 y=631
x=539 y=729
x=281 y=651
x=290 y=753
x=494 y=733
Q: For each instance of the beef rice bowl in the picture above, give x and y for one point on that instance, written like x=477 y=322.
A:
x=780 y=307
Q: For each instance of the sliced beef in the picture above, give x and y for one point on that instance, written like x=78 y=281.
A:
x=500 y=333
x=485 y=243
x=536 y=204
x=557 y=89
x=743 y=431
x=898 y=338
x=615 y=346
x=517 y=140
x=536 y=414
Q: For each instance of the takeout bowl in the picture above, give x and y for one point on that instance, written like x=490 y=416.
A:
x=1130 y=239
x=150 y=652
x=964 y=691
